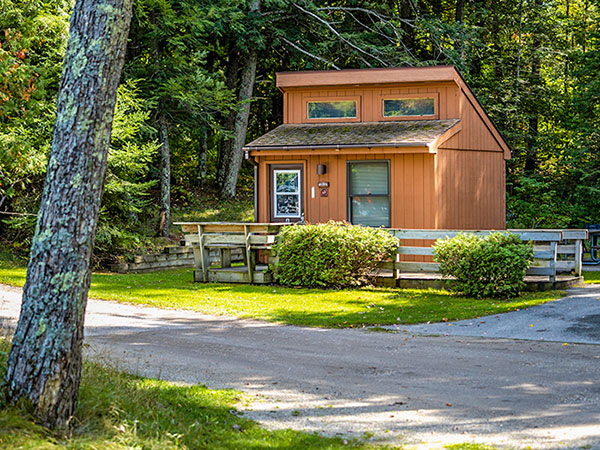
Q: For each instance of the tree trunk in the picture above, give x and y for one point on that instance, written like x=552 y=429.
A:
x=459 y=13
x=459 y=16
x=44 y=365
x=165 y=176
x=232 y=160
x=232 y=81
x=202 y=157
x=531 y=159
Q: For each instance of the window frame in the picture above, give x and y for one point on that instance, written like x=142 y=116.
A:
x=436 y=106
x=349 y=195
x=355 y=98
x=276 y=168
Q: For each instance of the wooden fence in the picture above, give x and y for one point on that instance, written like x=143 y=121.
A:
x=555 y=251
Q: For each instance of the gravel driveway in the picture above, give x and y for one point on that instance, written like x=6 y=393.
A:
x=423 y=391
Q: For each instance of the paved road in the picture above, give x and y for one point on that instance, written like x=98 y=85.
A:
x=575 y=319
x=416 y=390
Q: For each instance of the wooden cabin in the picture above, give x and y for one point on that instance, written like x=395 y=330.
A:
x=399 y=147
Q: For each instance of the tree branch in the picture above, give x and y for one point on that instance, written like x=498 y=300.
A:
x=307 y=53
x=346 y=41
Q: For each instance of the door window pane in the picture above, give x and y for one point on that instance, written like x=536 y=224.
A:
x=369 y=194
x=287 y=198
x=332 y=110
x=408 y=107
x=287 y=206
x=287 y=181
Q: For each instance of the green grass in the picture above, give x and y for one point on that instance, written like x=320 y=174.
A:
x=590 y=277
x=469 y=446
x=308 y=307
x=122 y=411
x=209 y=207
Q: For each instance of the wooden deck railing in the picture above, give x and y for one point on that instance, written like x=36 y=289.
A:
x=555 y=251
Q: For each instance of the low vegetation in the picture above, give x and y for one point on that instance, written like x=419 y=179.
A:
x=490 y=266
x=591 y=277
x=122 y=411
x=332 y=254
x=293 y=306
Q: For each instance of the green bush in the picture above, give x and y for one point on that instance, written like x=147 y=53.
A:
x=332 y=254
x=493 y=266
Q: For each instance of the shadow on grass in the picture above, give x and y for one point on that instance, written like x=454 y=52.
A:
x=118 y=410
x=296 y=306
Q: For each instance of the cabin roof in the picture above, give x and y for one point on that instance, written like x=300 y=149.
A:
x=407 y=133
x=392 y=75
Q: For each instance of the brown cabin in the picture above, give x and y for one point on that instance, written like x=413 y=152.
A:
x=399 y=147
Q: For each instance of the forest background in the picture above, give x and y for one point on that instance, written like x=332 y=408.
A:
x=199 y=81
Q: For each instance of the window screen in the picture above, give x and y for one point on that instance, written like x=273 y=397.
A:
x=408 y=107
x=286 y=193
x=369 y=197
x=345 y=109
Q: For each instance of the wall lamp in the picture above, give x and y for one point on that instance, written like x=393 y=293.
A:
x=321 y=169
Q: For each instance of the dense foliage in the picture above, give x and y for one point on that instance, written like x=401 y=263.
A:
x=532 y=64
x=332 y=254
x=492 y=266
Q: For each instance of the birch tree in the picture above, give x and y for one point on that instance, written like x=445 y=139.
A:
x=44 y=364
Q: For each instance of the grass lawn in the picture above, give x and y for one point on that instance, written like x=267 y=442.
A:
x=591 y=277
x=121 y=411
x=309 y=307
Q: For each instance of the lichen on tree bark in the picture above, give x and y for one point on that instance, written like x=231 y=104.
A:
x=44 y=364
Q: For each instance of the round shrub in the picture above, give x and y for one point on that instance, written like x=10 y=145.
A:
x=332 y=254
x=493 y=266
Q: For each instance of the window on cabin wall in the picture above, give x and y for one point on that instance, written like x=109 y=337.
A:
x=344 y=109
x=369 y=193
x=286 y=191
x=408 y=107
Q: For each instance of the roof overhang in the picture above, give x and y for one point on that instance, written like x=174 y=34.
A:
x=390 y=137
x=355 y=77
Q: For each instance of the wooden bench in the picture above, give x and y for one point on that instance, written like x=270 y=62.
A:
x=250 y=238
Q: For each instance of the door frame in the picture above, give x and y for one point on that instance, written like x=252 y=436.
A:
x=284 y=166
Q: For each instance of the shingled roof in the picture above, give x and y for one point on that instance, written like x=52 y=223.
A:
x=407 y=133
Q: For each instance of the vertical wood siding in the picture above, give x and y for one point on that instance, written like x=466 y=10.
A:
x=474 y=134
x=370 y=100
x=411 y=187
x=470 y=190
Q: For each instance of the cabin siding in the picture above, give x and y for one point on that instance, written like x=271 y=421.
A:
x=369 y=107
x=412 y=193
x=474 y=135
x=470 y=190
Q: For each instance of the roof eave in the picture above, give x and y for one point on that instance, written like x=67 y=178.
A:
x=393 y=75
x=336 y=146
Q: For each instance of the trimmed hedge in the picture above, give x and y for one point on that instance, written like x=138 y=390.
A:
x=493 y=266
x=332 y=254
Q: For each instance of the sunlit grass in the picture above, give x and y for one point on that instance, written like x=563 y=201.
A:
x=309 y=307
x=591 y=277
x=121 y=411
